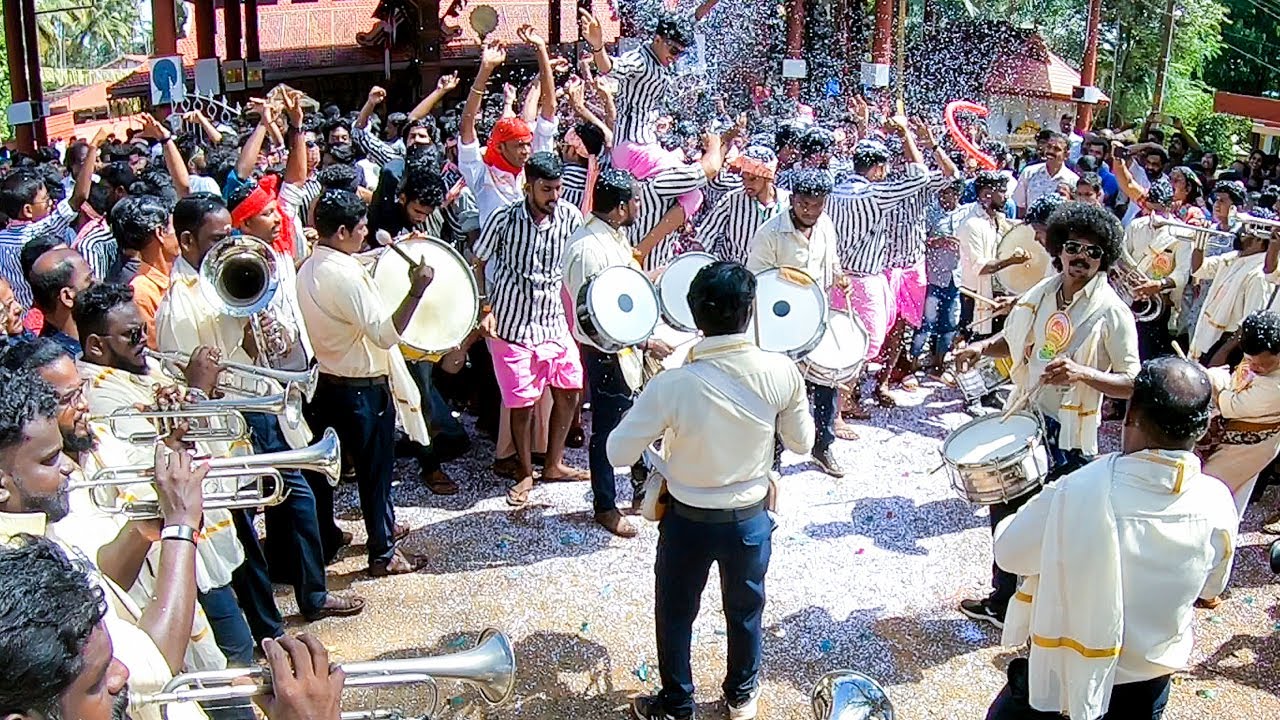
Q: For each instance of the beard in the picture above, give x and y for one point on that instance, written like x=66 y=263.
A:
x=54 y=507
x=120 y=708
x=73 y=443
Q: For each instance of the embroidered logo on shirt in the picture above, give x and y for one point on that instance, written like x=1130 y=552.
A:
x=1057 y=333
x=1161 y=266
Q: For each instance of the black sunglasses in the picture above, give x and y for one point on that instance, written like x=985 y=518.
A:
x=1075 y=247
x=135 y=336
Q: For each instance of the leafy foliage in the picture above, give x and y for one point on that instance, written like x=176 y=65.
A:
x=1224 y=134
x=1250 y=61
x=88 y=35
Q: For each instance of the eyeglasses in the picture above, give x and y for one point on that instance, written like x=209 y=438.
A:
x=1075 y=247
x=74 y=397
x=135 y=335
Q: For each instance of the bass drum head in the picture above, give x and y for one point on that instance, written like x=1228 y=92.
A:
x=790 y=314
x=1018 y=279
x=622 y=305
x=673 y=289
x=450 y=306
x=843 y=345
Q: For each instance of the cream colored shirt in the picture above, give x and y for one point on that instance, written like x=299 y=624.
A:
x=979 y=239
x=1244 y=395
x=148 y=671
x=219 y=552
x=1239 y=288
x=187 y=319
x=779 y=244
x=1177 y=530
x=592 y=249
x=718 y=456
x=351 y=329
x=1160 y=254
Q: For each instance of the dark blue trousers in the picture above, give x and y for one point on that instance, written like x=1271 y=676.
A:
x=1144 y=700
x=686 y=550
x=822 y=400
x=227 y=622
x=364 y=416
x=293 y=549
x=611 y=398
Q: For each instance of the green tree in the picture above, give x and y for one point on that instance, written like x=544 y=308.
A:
x=1250 y=60
x=74 y=33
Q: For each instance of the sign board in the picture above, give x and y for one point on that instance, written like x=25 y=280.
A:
x=253 y=74
x=208 y=77
x=875 y=75
x=233 y=75
x=795 y=69
x=168 y=82
x=25 y=113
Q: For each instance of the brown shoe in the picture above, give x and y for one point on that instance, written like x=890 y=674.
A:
x=397 y=565
x=1210 y=604
x=337 y=606
x=439 y=483
x=613 y=521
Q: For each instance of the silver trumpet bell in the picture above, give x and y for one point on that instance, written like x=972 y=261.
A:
x=490 y=667
x=850 y=695
x=244 y=380
x=246 y=481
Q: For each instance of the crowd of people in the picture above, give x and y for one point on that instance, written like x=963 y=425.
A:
x=103 y=258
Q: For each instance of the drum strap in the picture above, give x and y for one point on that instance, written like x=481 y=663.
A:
x=732 y=388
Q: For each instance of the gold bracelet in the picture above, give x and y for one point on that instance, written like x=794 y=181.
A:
x=478 y=91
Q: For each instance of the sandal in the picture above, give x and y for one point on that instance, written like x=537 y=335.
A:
x=518 y=493
x=857 y=412
x=440 y=483
x=846 y=432
x=574 y=475
x=884 y=399
x=910 y=384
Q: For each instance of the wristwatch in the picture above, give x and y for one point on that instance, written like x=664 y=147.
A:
x=179 y=532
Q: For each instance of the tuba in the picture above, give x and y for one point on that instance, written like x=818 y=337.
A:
x=849 y=695
x=1125 y=277
x=240 y=277
x=490 y=667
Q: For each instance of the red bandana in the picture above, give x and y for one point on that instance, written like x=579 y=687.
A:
x=506 y=130
x=262 y=197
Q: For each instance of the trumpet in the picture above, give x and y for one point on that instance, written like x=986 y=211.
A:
x=243 y=380
x=490 y=667
x=1258 y=225
x=1201 y=236
x=287 y=403
x=266 y=489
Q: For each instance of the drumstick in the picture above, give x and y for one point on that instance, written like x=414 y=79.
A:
x=412 y=263
x=978 y=298
x=1022 y=401
x=1177 y=350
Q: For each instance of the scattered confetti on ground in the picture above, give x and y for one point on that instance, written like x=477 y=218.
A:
x=866 y=573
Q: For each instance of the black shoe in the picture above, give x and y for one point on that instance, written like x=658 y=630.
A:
x=827 y=462
x=982 y=610
x=649 y=707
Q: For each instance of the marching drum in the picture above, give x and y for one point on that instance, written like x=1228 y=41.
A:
x=986 y=376
x=1020 y=278
x=673 y=289
x=993 y=460
x=791 y=311
x=450 y=306
x=618 y=308
x=839 y=354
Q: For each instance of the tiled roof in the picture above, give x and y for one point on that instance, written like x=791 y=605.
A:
x=1034 y=71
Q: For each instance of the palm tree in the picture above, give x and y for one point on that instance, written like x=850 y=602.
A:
x=87 y=34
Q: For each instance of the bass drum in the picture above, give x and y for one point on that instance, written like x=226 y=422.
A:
x=673 y=289
x=618 y=308
x=839 y=356
x=791 y=311
x=450 y=306
x=1017 y=279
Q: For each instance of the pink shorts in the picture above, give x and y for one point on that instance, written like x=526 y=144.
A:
x=874 y=304
x=524 y=373
x=909 y=290
x=645 y=161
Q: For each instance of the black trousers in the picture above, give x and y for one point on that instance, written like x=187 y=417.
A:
x=1144 y=700
x=363 y=414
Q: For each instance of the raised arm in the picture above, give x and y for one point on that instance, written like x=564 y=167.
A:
x=593 y=35
x=546 y=76
x=576 y=95
x=1120 y=168
x=172 y=157
x=195 y=117
x=444 y=86
x=924 y=133
x=910 y=150
x=248 y=159
x=376 y=97
x=491 y=57
x=704 y=9
x=295 y=168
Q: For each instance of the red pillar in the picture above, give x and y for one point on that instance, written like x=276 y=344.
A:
x=164 y=27
x=232 y=28
x=206 y=26
x=553 y=23
x=251 y=47
x=35 y=85
x=1089 y=66
x=882 y=39
x=14 y=47
x=795 y=41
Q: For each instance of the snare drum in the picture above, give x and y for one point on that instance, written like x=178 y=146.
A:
x=986 y=376
x=839 y=355
x=790 y=317
x=450 y=306
x=992 y=461
x=673 y=289
x=618 y=308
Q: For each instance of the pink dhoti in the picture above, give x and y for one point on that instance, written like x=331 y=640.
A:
x=875 y=305
x=909 y=289
x=645 y=161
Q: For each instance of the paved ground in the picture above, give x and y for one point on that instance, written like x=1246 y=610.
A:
x=866 y=573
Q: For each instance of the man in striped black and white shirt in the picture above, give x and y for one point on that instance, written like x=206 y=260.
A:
x=524 y=318
x=654 y=232
x=728 y=228
x=905 y=226
x=95 y=241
